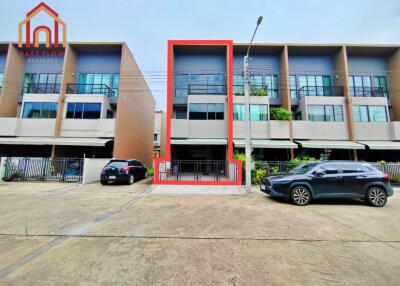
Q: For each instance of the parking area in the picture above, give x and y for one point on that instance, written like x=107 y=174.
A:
x=66 y=234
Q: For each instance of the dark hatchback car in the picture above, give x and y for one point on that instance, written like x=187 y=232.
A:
x=330 y=179
x=123 y=171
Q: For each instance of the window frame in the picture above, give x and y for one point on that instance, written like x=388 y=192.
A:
x=74 y=112
x=42 y=110
x=325 y=106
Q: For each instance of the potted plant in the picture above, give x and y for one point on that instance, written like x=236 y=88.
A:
x=280 y=113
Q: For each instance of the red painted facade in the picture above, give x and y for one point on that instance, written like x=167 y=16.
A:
x=170 y=73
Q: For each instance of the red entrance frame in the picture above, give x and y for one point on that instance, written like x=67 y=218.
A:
x=167 y=158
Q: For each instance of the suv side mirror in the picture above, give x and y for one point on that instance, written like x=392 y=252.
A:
x=319 y=173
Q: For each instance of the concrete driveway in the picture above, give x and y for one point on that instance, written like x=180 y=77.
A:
x=64 y=234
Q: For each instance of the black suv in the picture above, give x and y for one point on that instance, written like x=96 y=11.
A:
x=123 y=171
x=330 y=179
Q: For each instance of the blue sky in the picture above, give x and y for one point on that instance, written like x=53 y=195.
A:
x=147 y=25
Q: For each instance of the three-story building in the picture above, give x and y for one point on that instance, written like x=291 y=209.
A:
x=343 y=98
x=89 y=99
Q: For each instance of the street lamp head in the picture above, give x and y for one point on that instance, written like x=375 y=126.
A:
x=259 y=20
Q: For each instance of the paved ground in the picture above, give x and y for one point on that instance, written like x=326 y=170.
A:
x=63 y=234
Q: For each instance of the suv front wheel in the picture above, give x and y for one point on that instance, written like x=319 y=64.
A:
x=300 y=195
x=376 y=197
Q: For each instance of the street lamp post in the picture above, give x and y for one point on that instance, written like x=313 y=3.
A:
x=247 y=109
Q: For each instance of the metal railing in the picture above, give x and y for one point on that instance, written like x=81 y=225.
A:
x=198 y=170
x=90 y=89
x=392 y=169
x=43 y=169
x=360 y=91
x=209 y=89
x=257 y=90
x=45 y=88
x=320 y=91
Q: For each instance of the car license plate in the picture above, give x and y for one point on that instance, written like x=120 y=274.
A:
x=112 y=177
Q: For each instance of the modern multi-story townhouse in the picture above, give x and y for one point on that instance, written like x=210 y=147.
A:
x=343 y=98
x=87 y=99
x=160 y=121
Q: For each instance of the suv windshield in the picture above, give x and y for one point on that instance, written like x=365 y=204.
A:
x=302 y=169
x=118 y=164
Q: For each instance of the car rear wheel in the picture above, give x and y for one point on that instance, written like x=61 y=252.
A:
x=301 y=195
x=131 y=179
x=376 y=197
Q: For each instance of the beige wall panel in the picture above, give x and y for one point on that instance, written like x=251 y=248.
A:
x=394 y=83
x=134 y=124
x=12 y=82
x=68 y=76
x=284 y=80
x=341 y=78
x=163 y=133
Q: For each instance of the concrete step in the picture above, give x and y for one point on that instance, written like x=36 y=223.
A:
x=200 y=190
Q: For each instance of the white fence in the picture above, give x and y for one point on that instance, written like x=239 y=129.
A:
x=92 y=170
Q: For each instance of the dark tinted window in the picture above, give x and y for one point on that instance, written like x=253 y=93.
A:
x=366 y=168
x=78 y=110
x=70 y=110
x=219 y=112
x=351 y=168
x=118 y=164
x=137 y=164
x=198 y=111
x=330 y=169
x=303 y=168
x=92 y=111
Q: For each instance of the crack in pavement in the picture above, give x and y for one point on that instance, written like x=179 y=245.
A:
x=356 y=230
x=77 y=235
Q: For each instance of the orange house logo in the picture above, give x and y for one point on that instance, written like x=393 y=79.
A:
x=47 y=30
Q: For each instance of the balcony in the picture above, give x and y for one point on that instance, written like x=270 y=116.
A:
x=319 y=130
x=183 y=128
x=377 y=131
x=34 y=127
x=319 y=91
x=9 y=126
x=101 y=89
x=89 y=128
x=41 y=88
x=360 y=91
x=272 y=129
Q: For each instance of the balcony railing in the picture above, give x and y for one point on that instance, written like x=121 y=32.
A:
x=201 y=89
x=257 y=90
x=90 y=89
x=360 y=91
x=319 y=91
x=210 y=89
x=44 y=88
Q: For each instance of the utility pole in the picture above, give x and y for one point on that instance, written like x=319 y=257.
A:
x=247 y=111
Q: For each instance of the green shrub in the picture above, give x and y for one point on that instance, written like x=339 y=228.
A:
x=261 y=92
x=302 y=159
x=257 y=175
x=150 y=171
x=280 y=113
x=16 y=175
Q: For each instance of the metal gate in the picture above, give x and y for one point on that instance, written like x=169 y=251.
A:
x=43 y=169
x=198 y=170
